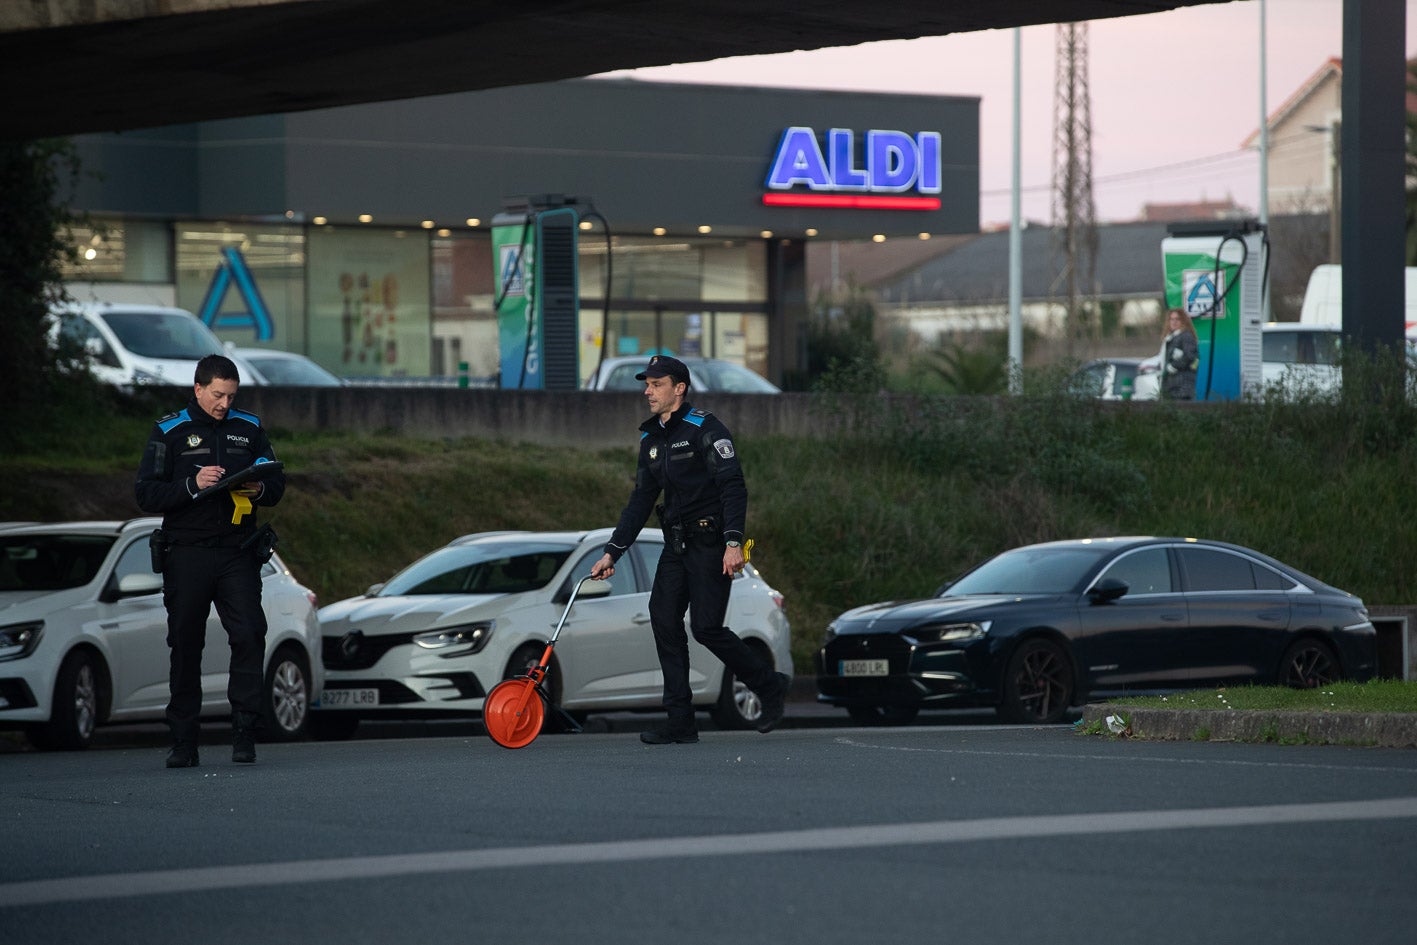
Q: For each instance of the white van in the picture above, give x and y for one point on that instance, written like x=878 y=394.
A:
x=1301 y=359
x=1323 y=298
x=135 y=345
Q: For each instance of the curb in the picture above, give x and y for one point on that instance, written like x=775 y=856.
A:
x=1376 y=729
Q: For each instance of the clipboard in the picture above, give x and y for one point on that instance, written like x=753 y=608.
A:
x=254 y=471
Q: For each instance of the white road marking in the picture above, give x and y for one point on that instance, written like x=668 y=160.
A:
x=205 y=879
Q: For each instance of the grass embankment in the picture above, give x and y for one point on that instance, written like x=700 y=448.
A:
x=1379 y=695
x=902 y=501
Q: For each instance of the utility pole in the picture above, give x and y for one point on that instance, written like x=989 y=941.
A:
x=1074 y=237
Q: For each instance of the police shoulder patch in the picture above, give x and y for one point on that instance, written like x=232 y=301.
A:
x=724 y=448
x=167 y=423
x=250 y=418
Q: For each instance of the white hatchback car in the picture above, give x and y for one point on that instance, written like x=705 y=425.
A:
x=437 y=637
x=83 y=636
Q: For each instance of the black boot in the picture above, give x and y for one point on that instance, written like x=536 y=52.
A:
x=669 y=736
x=678 y=731
x=243 y=737
x=182 y=755
x=774 y=704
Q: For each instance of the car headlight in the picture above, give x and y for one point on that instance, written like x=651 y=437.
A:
x=457 y=641
x=147 y=377
x=19 y=640
x=950 y=632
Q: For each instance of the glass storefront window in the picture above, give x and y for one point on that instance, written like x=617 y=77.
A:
x=664 y=269
x=737 y=336
x=464 y=322
x=370 y=311
x=691 y=297
x=115 y=250
x=246 y=281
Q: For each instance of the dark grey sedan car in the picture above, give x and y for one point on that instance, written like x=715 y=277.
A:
x=1038 y=629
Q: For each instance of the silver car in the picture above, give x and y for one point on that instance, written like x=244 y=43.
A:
x=83 y=636
x=705 y=374
x=436 y=637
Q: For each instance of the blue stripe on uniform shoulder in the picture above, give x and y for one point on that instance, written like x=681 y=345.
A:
x=696 y=417
x=251 y=418
x=172 y=420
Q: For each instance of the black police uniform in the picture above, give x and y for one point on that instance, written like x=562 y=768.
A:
x=691 y=460
x=206 y=563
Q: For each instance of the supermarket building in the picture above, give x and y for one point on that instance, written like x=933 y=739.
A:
x=362 y=235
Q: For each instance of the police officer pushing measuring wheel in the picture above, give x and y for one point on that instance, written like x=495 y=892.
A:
x=202 y=469
x=688 y=455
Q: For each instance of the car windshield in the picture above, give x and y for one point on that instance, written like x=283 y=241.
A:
x=50 y=562
x=1029 y=571
x=623 y=378
x=163 y=335
x=734 y=379
x=292 y=371
x=482 y=568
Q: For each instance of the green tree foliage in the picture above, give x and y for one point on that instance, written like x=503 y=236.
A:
x=981 y=369
x=35 y=180
x=842 y=353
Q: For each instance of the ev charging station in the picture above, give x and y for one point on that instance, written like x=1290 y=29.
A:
x=1217 y=273
x=537 y=300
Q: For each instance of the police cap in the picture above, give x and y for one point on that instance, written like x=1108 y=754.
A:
x=662 y=365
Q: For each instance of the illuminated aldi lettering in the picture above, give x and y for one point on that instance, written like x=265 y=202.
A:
x=889 y=170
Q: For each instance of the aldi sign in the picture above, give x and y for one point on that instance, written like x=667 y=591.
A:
x=882 y=170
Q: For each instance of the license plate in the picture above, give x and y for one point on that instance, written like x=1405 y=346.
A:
x=348 y=698
x=864 y=668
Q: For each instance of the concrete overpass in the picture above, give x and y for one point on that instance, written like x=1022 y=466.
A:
x=71 y=66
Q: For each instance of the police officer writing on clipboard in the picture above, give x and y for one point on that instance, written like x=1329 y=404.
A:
x=688 y=455
x=210 y=549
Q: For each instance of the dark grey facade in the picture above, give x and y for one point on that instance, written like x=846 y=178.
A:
x=647 y=154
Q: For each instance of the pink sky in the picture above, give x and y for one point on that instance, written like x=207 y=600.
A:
x=1167 y=88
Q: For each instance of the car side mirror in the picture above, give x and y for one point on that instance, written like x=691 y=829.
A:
x=139 y=582
x=373 y=589
x=1107 y=589
x=589 y=590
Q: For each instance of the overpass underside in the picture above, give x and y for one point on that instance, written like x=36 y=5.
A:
x=69 y=67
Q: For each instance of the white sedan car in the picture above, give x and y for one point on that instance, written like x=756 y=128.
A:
x=83 y=636
x=437 y=637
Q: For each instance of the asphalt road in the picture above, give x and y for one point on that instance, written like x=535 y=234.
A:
x=945 y=832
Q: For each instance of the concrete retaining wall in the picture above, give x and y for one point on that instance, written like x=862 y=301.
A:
x=570 y=418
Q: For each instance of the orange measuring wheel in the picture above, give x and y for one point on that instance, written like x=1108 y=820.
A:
x=513 y=712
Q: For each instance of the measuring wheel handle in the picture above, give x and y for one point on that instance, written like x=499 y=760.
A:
x=515 y=710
